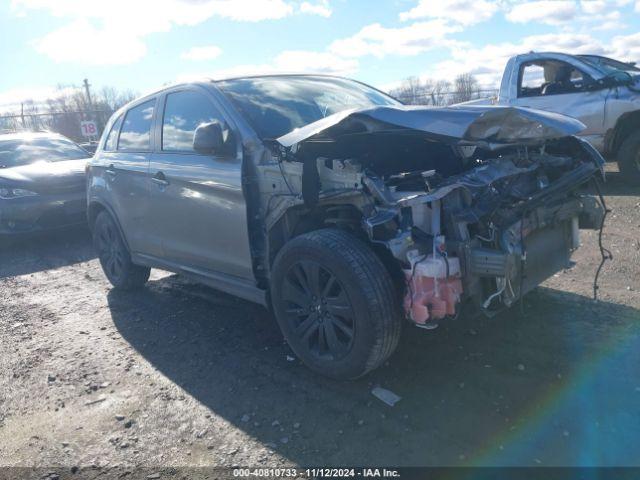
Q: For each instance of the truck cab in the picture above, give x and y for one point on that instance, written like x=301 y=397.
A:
x=602 y=93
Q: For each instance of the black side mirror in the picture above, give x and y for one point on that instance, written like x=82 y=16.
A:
x=208 y=138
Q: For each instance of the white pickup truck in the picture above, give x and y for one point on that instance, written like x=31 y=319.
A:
x=602 y=93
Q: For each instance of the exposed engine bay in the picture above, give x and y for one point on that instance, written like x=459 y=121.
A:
x=480 y=215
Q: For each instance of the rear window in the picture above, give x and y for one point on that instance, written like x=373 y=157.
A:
x=112 y=140
x=136 y=128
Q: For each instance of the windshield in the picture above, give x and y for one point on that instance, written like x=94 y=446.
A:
x=277 y=105
x=23 y=151
x=609 y=65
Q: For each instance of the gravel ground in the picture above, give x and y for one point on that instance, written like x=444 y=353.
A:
x=179 y=375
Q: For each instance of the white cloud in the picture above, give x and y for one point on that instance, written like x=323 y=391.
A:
x=487 y=63
x=466 y=12
x=10 y=100
x=113 y=32
x=208 y=52
x=243 y=10
x=552 y=12
x=379 y=41
x=593 y=7
x=289 y=61
x=609 y=26
x=159 y=15
x=82 y=42
x=606 y=21
x=340 y=58
x=319 y=62
x=322 y=8
x=599 y=15
x=626 y=47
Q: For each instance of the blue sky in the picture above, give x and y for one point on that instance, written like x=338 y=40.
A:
x=142 y=44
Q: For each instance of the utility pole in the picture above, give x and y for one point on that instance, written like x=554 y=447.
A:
x=86 y=89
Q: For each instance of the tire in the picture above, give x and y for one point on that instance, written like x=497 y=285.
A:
x=114 y=255
x=335 y=303
x=629 y=159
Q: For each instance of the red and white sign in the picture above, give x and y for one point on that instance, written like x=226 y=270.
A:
x=89 y=128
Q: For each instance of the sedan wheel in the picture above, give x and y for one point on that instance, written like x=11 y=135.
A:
x=114 y=256
x=110 y=254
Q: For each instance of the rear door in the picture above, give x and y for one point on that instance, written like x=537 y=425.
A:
x=197 y=207
x=124 y=170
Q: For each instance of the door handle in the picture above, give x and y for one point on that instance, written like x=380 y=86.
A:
x=160 y=179
x=111 y=171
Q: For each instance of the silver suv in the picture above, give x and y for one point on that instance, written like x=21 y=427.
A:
x=341 y=209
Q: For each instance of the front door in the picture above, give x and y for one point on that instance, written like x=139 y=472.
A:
x=559 y=87
x=197 y=207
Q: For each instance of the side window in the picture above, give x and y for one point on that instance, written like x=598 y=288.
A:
x=183 y=112
x=136 y=128
x=550 y=77
x=532 y=80
x=112 y=139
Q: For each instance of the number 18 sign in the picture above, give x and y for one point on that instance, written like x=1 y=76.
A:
x=89 y=128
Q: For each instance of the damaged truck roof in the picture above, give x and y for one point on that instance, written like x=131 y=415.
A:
x=464 y=124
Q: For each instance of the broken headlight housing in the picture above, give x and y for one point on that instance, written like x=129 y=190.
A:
x=10 y=193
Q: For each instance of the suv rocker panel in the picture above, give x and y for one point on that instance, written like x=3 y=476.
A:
x=219 y=281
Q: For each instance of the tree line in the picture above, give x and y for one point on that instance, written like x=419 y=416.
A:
x=63 y=112
x=414 y=91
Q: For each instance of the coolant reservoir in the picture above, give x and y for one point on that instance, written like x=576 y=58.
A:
x=434 y=287
x=433 y=267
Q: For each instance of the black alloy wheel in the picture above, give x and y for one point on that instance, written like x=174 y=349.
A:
x=319 y=309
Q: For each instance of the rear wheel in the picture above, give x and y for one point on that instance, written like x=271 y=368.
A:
x=335 y=303
x=114 y=256
x=629 y=159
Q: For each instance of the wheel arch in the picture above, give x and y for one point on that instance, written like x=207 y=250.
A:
x=299 y=220
x=94 y=209
x=626 y=124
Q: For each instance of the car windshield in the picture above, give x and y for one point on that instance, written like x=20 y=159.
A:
x=23 y=151
x=609 y=65
x=277 y=105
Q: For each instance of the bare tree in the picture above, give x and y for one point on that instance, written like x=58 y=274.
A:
x=112 y=99
x=439 y=93
x=466 y=88
x=64 y=111
x=412 y=91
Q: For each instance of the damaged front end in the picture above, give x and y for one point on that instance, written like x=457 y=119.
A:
x=475 y=205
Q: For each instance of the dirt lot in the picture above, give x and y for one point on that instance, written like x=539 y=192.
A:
x=180 y=375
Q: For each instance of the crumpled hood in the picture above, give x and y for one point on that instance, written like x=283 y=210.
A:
x=464 y=124
x=46 y=177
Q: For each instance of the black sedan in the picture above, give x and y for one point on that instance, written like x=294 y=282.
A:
x=42 y=182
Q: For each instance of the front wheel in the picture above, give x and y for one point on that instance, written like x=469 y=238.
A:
x=114 y=256
x=629 y=159
x=335 y=303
